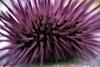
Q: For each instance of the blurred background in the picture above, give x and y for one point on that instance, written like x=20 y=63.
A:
x=92 y=63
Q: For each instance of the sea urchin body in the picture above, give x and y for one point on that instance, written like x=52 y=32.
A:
x=42 y=31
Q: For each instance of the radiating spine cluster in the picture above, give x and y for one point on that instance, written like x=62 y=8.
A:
x=40 y=31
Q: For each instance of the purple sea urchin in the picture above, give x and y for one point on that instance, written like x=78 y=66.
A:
x=40 y=31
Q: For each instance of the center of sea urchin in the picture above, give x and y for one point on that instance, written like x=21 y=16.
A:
x=52 y=36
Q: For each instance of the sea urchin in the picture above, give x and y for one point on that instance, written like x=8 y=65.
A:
x=42 y=31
